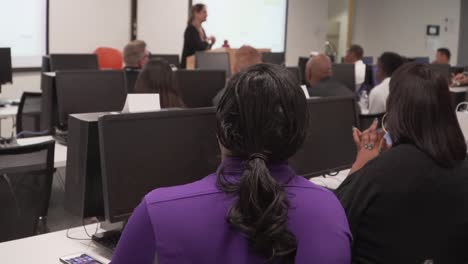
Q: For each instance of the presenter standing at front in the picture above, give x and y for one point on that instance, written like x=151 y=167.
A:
x=195 y=38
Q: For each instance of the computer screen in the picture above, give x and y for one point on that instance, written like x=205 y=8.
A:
x=199 y=87
x=345 y=73
x=5 y=66
x=302 y=63
x=145 y=151
x=88 y=92
x=274 y=58
x=172 y=59
x=329 y=146
x=213 y=61
x=73 y=62
x=295 y=72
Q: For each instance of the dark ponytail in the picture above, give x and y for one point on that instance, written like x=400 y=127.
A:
x=262 y=119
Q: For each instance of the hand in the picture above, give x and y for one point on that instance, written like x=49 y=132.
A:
x=369 y=145
x=212 y=40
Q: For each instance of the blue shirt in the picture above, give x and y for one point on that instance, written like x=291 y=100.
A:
x=187 y=224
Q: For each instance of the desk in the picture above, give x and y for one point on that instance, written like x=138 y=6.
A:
x=60 y=157
x=462 y=89
x=50 y=247
x=331 y=182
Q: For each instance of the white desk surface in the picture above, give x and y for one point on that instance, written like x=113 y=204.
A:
x=461 y=89
x=331 y=182
x=60 y=157
x=50 y=247
x=8 y=111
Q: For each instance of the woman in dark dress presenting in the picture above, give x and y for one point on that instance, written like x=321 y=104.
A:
x=195 y=38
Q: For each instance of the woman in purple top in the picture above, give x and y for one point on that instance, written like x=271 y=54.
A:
x=254 y=209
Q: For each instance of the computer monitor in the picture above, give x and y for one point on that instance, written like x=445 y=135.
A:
x=88 y=92
x=6 y=75
x=345 y=73
x=274 y=58
x=302 y=63
x=422 y=60
x=199 y=87
x=172 y=59
x=213 y=61
x=329 y=146
x=295 y=72
x=131 y=76
x=73 y=62
x=145 y=151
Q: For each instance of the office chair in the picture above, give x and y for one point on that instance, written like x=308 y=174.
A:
x=172 y=59
x=26 y=174
x=109 y=58
x=28 y=118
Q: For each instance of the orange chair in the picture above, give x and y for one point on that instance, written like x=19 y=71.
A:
x=109 y=58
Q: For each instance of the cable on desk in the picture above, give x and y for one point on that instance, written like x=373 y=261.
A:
x=86 y=231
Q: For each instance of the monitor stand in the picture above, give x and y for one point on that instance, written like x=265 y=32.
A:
x=110 y=238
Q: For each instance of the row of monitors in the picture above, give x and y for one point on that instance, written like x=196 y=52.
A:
x=105 y=91
x=143 y=151
x=210 y=61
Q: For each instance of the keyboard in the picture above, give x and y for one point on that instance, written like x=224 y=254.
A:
x=109 y=239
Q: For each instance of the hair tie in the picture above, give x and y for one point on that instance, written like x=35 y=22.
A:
x=258 y=156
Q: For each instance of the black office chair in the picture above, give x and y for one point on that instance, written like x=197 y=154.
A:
x=26 y=174
x=365 y=121
x=28 y=118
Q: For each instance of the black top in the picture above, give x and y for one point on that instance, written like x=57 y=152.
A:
x=329 y=87
x=131 y=76
x=404 y=208
x=192 y=43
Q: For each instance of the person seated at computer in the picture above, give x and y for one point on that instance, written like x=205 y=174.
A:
x=354 y=55
x=157 y=77
x=246 y=56
x=135 y=55
x=254 y=209
x=387 y=64
x=319 y=76
x=195 y=38
x=442 y=56
x=408 y=204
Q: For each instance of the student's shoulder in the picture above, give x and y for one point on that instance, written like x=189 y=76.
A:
x=203 y=187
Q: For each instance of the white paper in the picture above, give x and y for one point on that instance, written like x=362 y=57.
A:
x=137 y=103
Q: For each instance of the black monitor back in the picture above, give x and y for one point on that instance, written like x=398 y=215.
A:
x=73 y=62
x=6 y=75
x=172 y=59
x=141 y=152
x=421 y=60
x=345 y=73
x=274 y=58
x=302 y=63
x=45 y=67
x=131 y=76
x=199 y=87
x=295 y=72
x=329 y=146
x=89 y=92
x=213 y=61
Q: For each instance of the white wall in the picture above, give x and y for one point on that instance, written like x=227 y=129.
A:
x=307 y=28
x=338 y=13
x=162 y=23
x=400 y=26
x=164 y=32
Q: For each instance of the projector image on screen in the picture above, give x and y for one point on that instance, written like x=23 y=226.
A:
x=261 y=25
x=28 y=37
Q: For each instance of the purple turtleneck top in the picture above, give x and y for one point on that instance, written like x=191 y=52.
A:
x=187 y=224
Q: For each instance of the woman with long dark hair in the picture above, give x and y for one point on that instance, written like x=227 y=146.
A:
x=410 y=203
x=157 y=77
x=195 y=38
x=254 y=209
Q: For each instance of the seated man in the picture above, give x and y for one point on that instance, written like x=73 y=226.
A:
x=246 y=56
x=319 y=75
x=135 y=56
x=354 y=55
x=388 y=63
x=443 y=56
